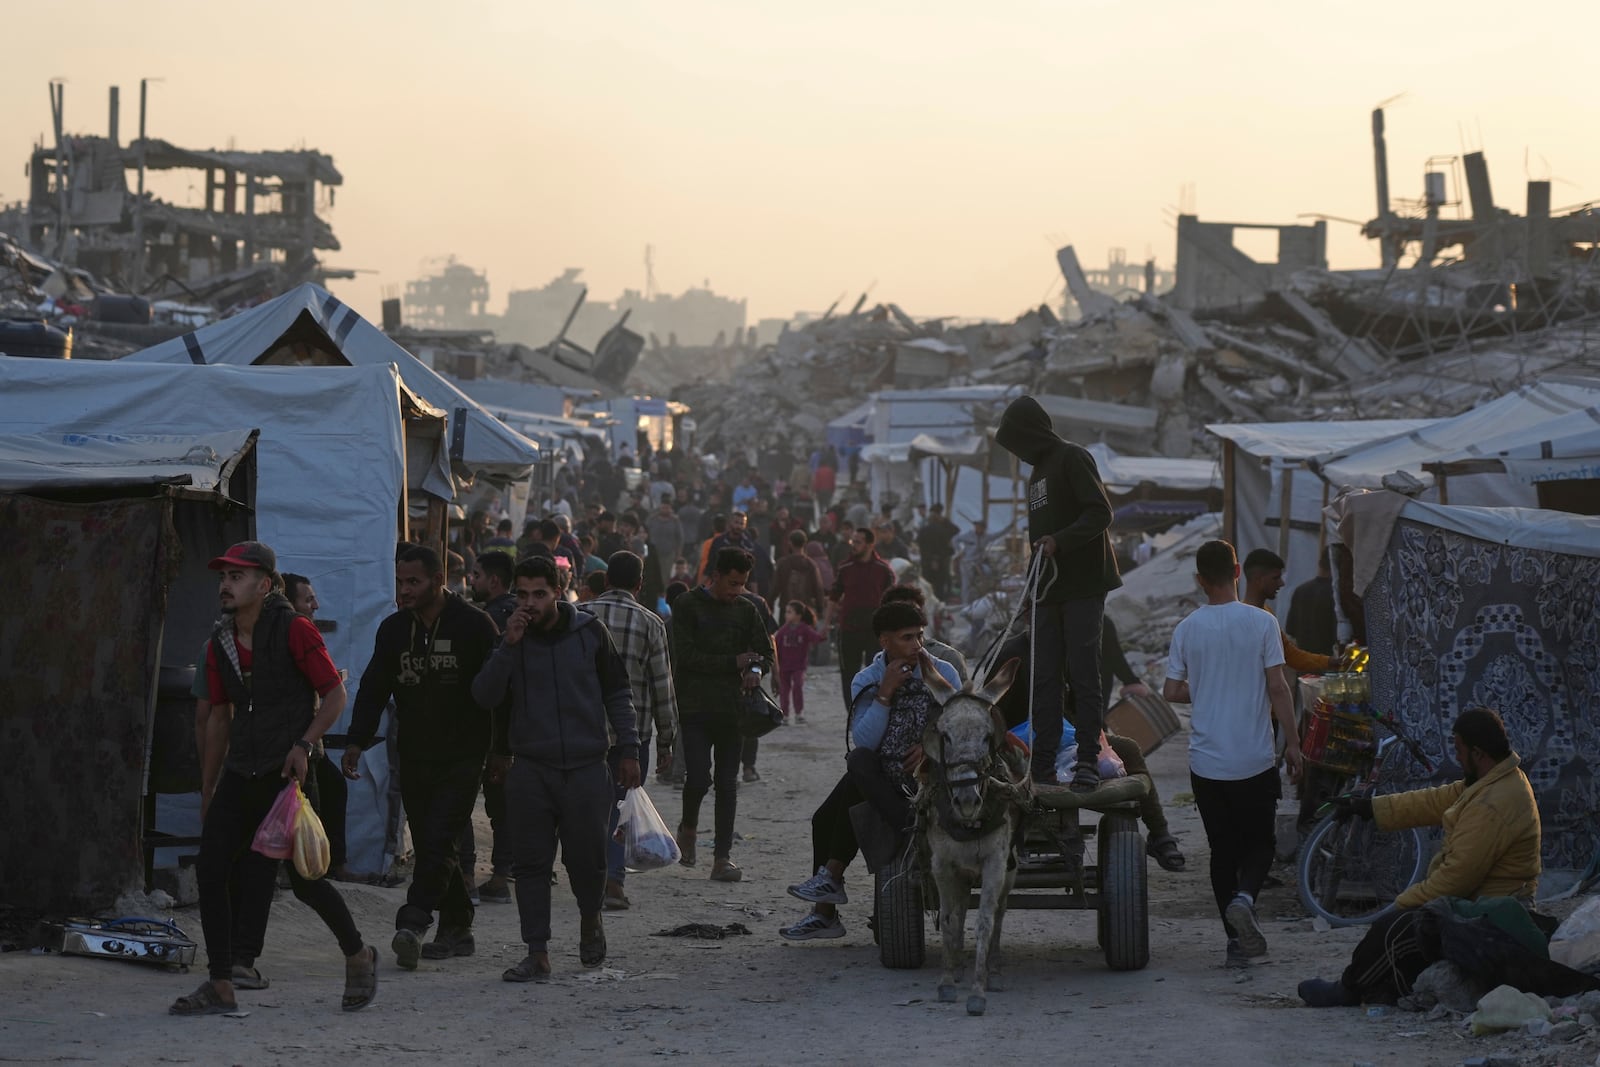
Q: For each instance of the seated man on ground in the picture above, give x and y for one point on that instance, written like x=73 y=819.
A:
x=892 y=706
x=1490 y=849
x=1160 y=844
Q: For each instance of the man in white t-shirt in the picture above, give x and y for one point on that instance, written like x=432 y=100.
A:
x=1226 y=662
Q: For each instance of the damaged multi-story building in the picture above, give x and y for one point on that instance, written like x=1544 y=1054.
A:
x=258 y=227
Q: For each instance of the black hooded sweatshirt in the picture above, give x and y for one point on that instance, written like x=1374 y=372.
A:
x=1066 y=501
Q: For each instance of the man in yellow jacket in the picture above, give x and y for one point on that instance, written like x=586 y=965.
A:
x=1490 y=849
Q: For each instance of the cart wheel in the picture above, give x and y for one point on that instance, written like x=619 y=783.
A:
x=1124 y=894
x=898 y=891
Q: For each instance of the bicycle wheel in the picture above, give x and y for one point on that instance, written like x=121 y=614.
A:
x=1351 y=871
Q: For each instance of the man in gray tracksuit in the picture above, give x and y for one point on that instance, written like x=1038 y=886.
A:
x=549 y=746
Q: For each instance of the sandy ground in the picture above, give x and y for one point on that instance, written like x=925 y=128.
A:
x=756 y=999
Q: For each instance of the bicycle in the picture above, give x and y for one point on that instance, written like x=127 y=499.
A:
x=1349 y=870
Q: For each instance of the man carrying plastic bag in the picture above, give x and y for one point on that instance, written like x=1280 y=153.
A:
x=266 y=665
x=565 y=681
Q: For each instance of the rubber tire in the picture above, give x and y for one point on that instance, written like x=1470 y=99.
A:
x=1124 y=894
x=1308 y=850
x=902 y=940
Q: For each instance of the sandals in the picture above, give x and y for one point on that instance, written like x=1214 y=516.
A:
x=592 y=943
x=360 y=980
x=1163 y=848
x=686 y=845
x=533 y=968
x=203 y=1001
x=249 y=978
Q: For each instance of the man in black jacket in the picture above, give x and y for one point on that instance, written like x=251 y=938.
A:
x=566 y=682
x=720 y=647
x=491 y=584
x=266 y=666
x=936 y=540
x=1068 y=522
x=425 y=657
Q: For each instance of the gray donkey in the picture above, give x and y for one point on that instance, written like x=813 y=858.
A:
x=970 y=806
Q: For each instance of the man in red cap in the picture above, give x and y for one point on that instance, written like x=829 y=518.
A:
x=267 y=665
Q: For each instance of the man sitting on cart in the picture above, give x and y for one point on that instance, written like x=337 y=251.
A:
x=1490 y=849
x=892 y=706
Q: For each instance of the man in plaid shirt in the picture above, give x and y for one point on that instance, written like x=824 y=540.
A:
x=641 y=640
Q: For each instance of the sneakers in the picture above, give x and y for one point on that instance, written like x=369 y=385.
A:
x=495 y=891
x=725 y=870
x=820 y=888
x=1321 y=993
x=799 y=719
x=1085 y=778
x=407 y=948
x=813 y=927
x=472 y=895
x=447 y=943
x=751 y=774
x=1241 y=919
x=1235 y=958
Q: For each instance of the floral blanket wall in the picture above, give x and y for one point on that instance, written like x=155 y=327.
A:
x=1455 y=622
x=79 y=629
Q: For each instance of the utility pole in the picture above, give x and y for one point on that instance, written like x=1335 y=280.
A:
x=138 y=203
x=58 y=104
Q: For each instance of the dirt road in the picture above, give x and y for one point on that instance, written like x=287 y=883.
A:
x=748 y=1000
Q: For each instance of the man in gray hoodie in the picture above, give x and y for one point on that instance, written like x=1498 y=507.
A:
x=565 y=681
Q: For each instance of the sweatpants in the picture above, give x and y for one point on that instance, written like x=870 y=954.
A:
x=439 y=797
x=237 y=808
x=1150 y=810
x=1388 y=960
x=546 y=806
x=1066 y=651
x=616 y=869
x=833 y=835
x=792 y=692
x=712 y=741
x=1239 y=820
x=494 y=806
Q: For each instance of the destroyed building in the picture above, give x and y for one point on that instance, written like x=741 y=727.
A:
x=257 y=230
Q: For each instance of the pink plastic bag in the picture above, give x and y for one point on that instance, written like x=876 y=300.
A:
x=275 y=836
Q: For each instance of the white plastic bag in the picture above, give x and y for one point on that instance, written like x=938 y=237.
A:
x=1109 y=764
x=647 y=844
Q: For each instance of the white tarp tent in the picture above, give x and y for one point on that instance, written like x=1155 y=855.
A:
x=1518 y=417
x=947 y=419
x=1566 y=448
x=201 y=463
x=1265 y=506
x=330 y=480
x=287 y=331
x=1122 y=474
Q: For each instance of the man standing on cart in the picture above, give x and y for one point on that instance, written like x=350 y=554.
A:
x=1069 y=519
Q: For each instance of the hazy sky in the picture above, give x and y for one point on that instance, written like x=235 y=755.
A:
x=792 y=153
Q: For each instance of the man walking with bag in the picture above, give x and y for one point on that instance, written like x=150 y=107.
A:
x=566 y=684
x=267 y=666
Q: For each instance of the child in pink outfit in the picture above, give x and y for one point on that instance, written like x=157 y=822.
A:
x=794 y=640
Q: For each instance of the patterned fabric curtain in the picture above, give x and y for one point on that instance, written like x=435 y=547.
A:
x=79 y=630
x=1454 y=622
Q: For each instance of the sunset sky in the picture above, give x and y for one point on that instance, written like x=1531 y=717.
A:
x=796 y=153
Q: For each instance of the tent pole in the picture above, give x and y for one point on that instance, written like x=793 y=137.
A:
x=1285 y=506
x=1228 y=490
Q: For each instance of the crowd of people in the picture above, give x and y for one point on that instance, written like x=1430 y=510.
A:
x=538 y=667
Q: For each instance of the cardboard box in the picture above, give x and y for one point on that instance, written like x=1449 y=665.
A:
x=1148 y=720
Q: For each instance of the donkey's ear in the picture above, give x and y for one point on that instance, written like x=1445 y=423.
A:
x=997 y=686
x=937 y=684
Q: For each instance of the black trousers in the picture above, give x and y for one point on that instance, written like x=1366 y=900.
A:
x=494 y=806
x=546 y=807
x=1386 y=963
x=712 y=748
x=1239 y=820
x=237 y=808
x=331 y=799
x=1066 y=651
x=855 y=651
x=833 y=836
x=937 y=570
x=439 y=797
